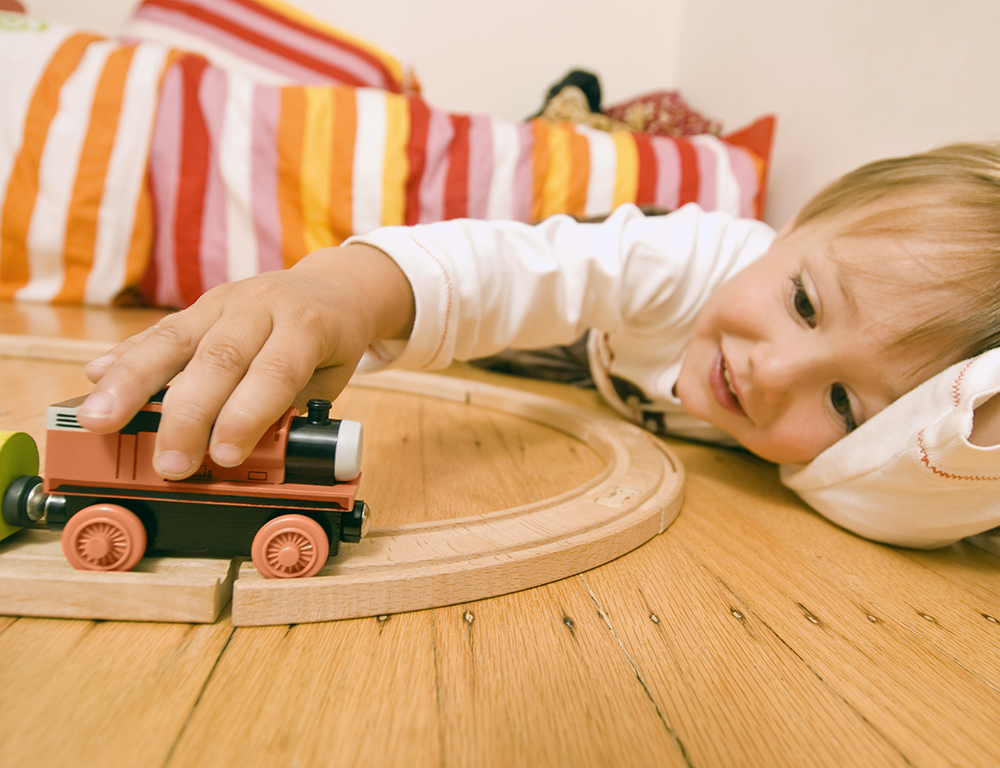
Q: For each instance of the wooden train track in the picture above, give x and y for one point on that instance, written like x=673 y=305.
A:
x=414 y=566
x=423 y=565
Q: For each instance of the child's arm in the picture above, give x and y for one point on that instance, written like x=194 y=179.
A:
x=244 y=351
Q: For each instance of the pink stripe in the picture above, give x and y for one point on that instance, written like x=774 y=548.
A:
x=212 y=256
x=480 y=165
x=266 y=27
x=264 y=176
x=523 y=175
x=236 y=45
x=708 y=171
x=745 y=172
x=432 y=187
x=668 y=173
x=164 y=179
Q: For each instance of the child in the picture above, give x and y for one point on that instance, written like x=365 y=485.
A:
x=794 y=345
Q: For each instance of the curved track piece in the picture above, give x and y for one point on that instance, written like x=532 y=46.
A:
x=425 y=565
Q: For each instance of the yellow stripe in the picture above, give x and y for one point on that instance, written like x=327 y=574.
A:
x=315 y=168
x=627 y=173
x=290 y=131
x=397 y=164
x=390 y=62
x=22 y=188
x=91 y=174
x=556 y=185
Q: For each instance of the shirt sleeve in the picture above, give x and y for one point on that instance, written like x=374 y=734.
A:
x=909 y=476
x=484 y=286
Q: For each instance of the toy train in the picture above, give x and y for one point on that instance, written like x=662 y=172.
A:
x=288 y=506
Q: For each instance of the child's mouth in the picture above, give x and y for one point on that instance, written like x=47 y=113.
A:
x=722 y=387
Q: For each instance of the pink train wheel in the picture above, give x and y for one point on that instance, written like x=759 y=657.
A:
x=104 y=537
x=290 y=547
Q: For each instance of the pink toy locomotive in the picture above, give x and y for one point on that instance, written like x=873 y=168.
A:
x=288 y=506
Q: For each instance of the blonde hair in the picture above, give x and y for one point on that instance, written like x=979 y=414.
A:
x=946 y=200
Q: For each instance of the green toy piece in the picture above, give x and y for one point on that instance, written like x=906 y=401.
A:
x=18 y=457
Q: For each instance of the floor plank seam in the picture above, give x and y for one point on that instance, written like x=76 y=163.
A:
x=826 y=683
x=937 y=648
x=194 y=706
x=635 y=669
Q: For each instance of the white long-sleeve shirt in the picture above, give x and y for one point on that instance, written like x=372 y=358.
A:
x=908 y=476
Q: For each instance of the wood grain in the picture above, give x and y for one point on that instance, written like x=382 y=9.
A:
x=36 y=580
x=752 y=632
x=425 y=565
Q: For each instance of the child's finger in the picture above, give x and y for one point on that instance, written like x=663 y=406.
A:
x=273 y=380
x=199 y=393
x=128 y=375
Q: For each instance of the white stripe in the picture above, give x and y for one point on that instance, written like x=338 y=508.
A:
x=603 y=167
x=369 y=160
x=126 y=174
x=24 y=54
x=235 y=167
x=57 y=171
x=727 y=188
x=506 y=151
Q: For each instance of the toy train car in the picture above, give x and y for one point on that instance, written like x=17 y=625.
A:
x=288 y=506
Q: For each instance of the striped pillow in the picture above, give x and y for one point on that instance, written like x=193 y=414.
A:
x=250 y=177
x=75 y=212
x=268 y=41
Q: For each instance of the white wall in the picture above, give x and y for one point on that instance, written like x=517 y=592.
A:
x=850 y=80
x=474 y=56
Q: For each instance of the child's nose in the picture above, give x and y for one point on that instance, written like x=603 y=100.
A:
x=780 y=369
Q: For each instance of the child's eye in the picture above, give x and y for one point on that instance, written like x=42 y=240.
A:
x=800 y=299
x=842 y=405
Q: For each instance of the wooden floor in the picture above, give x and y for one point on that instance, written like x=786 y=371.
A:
x=751 y=633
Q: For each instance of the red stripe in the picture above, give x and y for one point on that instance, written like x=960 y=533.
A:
x=193 y=180
x=361 y=53
x=646 y=190
x=256 y=38
x=456 y=190
x=416 y=154
x=690 y=183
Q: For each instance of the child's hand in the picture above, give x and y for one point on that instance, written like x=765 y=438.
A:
x=239 y=356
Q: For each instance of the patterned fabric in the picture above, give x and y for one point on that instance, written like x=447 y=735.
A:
x=250 y=177
x=129 y=168
x=269 y=41
x=663 y=113
x=75 y=212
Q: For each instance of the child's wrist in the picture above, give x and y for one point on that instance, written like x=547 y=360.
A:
x=371 y=284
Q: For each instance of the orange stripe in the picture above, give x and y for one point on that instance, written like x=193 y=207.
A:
x=22 y=189
x=140 y=247
x=345 y=120
x=576 y=198
x=539 y=165
x=88 y=189
x=291 y=128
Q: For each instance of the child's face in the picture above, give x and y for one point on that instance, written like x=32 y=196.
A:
x=792 y=353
